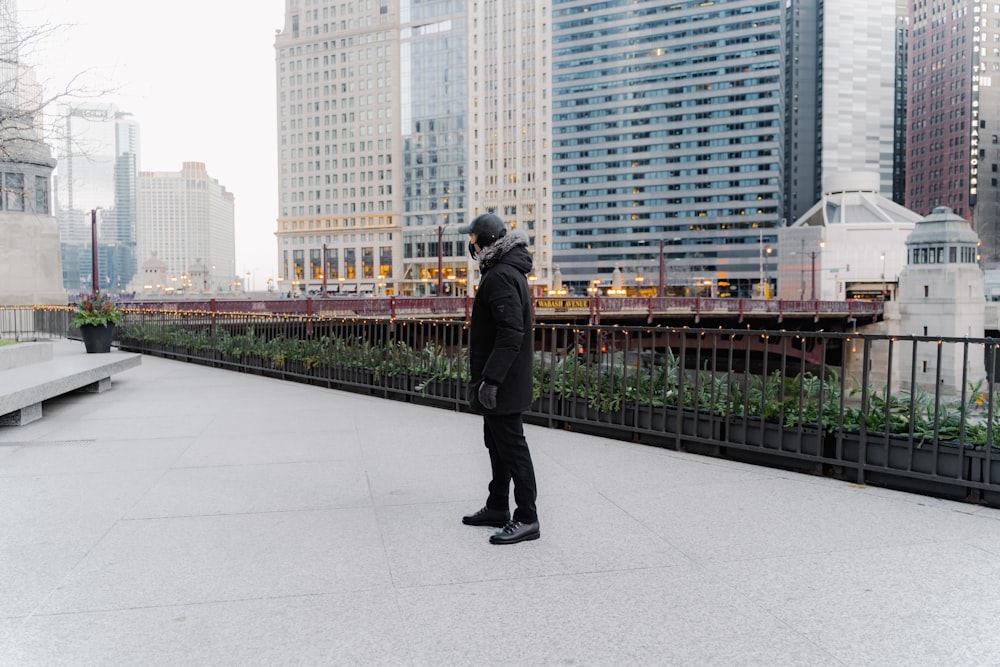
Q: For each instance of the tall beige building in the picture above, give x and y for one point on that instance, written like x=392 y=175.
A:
x=185 y=229
x=510 y=121
x=339 y=147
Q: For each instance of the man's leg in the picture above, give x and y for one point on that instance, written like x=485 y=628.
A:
x=499 y=496
x=508 y=442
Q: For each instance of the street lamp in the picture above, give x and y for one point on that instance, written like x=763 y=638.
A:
x=326 y=269
x=813 y=256
x=94 y=265
x=659 y=286
x=440 y=280
x=883 y=275
x=246 y=284
x=767 y=276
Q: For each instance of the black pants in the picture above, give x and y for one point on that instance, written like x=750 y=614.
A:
x=510 y=460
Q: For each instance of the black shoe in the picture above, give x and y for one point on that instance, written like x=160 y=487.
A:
x=515 y=531
x=487 y=517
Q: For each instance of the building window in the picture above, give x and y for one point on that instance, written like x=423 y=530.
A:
x=41 y=194
x=12 y=192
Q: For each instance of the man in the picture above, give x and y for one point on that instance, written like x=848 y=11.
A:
x=501 y=360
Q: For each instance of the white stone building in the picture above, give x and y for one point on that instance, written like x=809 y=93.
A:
x=186 y=219
x=850 y=244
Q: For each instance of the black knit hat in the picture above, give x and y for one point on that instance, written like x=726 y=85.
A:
x=488 y=227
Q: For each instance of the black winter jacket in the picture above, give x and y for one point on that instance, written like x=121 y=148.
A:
x=500 y=337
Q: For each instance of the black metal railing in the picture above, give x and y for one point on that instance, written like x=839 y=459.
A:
x=911 y=412
x=27 y=323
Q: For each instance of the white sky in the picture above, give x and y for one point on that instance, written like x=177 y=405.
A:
x=198 y=76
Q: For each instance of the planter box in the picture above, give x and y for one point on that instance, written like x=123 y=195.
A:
x=754 y=432
x=984 y=462
x=542 y=410
x=438 y=393
x=691 y=430
x=760 y=442
x=395 y=384
x=894 y=463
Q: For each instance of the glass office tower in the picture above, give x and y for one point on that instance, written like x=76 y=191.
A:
x=433 y=56
x=98 y=169
x=667 y=138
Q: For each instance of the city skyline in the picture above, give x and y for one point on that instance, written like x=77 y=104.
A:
x=158 y=70
x=256 y=222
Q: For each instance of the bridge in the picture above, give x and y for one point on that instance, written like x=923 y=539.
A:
x=678 y=311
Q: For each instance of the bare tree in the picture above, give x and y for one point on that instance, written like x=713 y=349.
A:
x=24 y=100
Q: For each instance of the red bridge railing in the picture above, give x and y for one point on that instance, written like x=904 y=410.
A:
x=461 y=306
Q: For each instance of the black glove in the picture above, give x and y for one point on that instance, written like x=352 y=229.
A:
x=488 y=395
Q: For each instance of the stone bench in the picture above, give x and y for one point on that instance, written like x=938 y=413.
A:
x=23 y=388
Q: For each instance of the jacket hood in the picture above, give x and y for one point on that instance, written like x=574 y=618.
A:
x=510 y=249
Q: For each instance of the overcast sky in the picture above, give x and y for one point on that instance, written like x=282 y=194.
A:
x=198 y=75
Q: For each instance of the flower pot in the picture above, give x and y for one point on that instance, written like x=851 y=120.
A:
x=97 y=338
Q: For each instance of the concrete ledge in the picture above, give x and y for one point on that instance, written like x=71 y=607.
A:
x=23 y=354
x=25 y=415
x=23 y=389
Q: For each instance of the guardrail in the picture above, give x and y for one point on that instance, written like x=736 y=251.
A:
x=802 y=400
x=26 y=323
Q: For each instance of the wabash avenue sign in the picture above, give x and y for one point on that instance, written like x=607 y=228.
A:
x=563 y=304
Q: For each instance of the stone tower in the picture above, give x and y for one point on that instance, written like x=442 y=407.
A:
x=30 y=264
x=941 y=294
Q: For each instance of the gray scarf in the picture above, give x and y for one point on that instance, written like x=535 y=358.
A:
x=492 y=253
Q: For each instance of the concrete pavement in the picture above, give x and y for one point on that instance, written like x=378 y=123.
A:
x=194 y=516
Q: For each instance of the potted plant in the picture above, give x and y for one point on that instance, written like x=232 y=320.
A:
x=96 y=315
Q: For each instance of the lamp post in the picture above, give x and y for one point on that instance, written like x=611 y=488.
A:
x=326 y=269
x=883 y=275
x=660 y=291
x=812 y=255
x=440 y=281
x=94 y=266
x=767 y=276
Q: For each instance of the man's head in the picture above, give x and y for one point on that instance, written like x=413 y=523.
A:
x=484 y=230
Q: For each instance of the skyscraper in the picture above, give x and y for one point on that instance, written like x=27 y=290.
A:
x=97 y=169
x=9 y=59
x=30 y=269
x=844 y=96
x=941 y=72
x=667 y=129
x=187 y=220
x=388 y=114
x=339 y=147
x=434 y=127
x=510 y=121
x=954 y=114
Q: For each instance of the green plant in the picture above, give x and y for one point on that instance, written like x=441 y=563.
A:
x=96 y=309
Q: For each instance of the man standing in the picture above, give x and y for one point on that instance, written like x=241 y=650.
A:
x=501 y=360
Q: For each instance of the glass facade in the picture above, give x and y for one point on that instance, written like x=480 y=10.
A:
x=434 y=68
x=667 y=137
x=98 y=168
